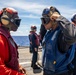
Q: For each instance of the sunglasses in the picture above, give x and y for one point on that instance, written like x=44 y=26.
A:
x=45 y=20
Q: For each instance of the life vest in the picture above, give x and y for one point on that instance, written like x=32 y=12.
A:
x=37 y=38
x=54 y=61
x=13 y=61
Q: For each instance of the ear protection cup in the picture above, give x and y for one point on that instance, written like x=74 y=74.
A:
x=5 y=20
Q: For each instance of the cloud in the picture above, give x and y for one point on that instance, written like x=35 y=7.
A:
x=33 y=10
x=17 y=33
x=26 y=6
x=22 y=31
x=66 y=11
x=30 y=16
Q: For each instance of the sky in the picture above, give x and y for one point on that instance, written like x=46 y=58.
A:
x=30 y=12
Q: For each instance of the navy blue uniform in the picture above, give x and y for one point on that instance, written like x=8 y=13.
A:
x=59 y=49
x=34 y=43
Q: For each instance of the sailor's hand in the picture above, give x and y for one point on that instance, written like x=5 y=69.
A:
x=35 y=49
x=55 y=15
x=22 y=70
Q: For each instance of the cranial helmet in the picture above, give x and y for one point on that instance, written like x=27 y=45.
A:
x=8 y=15
x=50 y=11
x=73 y=19
x=47 y=12
x=33 y=27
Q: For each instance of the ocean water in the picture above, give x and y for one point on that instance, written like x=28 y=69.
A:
x=21 y=40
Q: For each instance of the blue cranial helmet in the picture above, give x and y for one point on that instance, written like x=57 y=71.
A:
x=45 y=11
x=73 y=19
x=52 y=9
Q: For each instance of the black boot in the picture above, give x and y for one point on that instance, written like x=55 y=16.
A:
x=31 y=65
x=36 y=67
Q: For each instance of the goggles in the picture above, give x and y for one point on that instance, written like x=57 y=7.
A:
x=45 y=20
x=16 y=21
